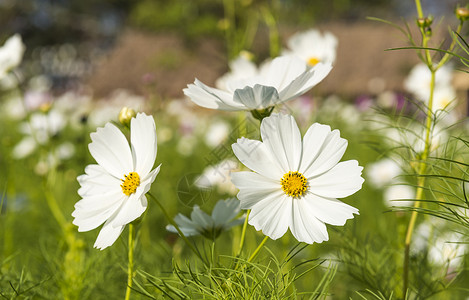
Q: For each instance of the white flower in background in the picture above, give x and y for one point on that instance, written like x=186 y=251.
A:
x=448 y=249
x=286 y=78
x=186 y=145
x=444 y=245
x=38 y=131
x=217 y=133
x=113 y=191
x=419 y=79
x=399 y=195
x=382 y=172
x=218 y=176
x=241 y=67
x=13 y=108
x=313 y=47
x=108 y=109
x=223 y=218
x=11 y=54
x=295 y=182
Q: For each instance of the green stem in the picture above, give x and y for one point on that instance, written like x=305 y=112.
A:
x=243 y=233
x=130 y=266
x=171 y=221
x=254 y=254
x=421 y=182
x=446 y=57
x=419 y=8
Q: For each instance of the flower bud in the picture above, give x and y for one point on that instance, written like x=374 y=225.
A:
x=126 y=114
x=424 y=22
x=462 y=13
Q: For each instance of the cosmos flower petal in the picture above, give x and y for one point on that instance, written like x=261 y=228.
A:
x=90 y=219
x=305 y=227
x=272 y=216
x=305 y=81
x=143 y=142
x=111 y=150
x=256 y=97
x=201 y=218
x=282 y=137
x=108 y=235
x=255 y=155
x=330 y=211
x=96 y=181
x=222 y=218
x=249 y=180
x=322 y=150
x=225 y=211
x=187 y=231
x=283 y=70
x=208 y=97
x=341 y=181
x=132 y=208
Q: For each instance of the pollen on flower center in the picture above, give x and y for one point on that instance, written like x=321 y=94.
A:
x=294 y=184
x=130 y=183
x=312 y=61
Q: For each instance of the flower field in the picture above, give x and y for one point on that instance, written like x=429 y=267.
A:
x=263 y=183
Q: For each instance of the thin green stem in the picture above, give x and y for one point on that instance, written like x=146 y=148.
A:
x=254 y=254
x=181 y=234
x=446 y=57
x=421 y=182
x=130 y=266
x=243 y=233
x=419 y=8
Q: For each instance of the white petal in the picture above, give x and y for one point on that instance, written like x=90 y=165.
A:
x=283 y=70
x=272 y=216
x=254 y=187
x=208 y=97
x=255 y=155
x=305 y=82
x=282 y=137
x=108 y=235
x=225 y=211
x=330 y=211
x=322 y=150
x=132 y=208
x=341 y=181
x=257 y=97
x=143 y=142
x=200 y=218
x=306 y=228
x=97 y=181
x=111 y=150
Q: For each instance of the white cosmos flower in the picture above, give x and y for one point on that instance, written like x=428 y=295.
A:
x=419 y=80
x=11 y=54
x=241 y=67
x=383 y=172
x=295 y=182
x=286 y=78
x=313 y=47
x=113 y=191
x=223 y=218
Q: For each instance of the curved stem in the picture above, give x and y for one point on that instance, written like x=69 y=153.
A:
x=130 y=265
x=254 y=254
x=420 y=184
x=181 y=234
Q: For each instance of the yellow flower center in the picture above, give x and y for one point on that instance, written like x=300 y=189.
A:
x=130 y=183
x=294 y=184
x=312 y=61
